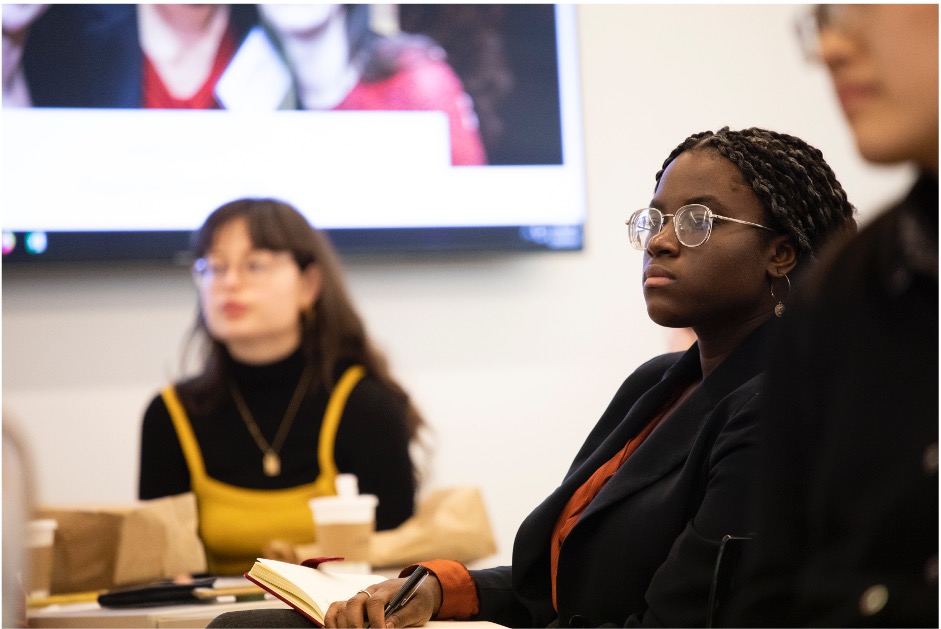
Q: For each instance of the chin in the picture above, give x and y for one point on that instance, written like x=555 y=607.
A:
x=879 y=153
x=227 y=333
x=885 y=141
x=665 y=319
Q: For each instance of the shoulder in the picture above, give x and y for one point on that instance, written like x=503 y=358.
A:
x=157 y=428
x=902 y=241
x=386 y=56
x=371 y=389
x=374 y=409
x=156 y=411
x=372 y=400
x=415 y=67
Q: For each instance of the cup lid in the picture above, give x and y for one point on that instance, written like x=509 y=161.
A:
x=41 y=532
x=331 y=509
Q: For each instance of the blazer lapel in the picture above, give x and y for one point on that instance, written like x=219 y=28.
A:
x=532 y=539
x=638 y=416
x=666 y=447
x=669 y=445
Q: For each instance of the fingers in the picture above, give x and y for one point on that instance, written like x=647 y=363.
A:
x=419 y=608
x=374 y=610
x=364 y=609
x=346 y=613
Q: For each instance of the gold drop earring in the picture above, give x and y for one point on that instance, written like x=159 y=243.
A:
x=307 y=317
x=780 y=307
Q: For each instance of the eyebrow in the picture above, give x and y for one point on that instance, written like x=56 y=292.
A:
x=215 y=253
x=710 y=201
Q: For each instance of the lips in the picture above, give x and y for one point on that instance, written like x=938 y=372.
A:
x=655 y=275
x=853 y=95
x=233 y=309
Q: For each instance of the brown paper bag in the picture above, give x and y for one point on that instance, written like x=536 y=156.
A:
x=450 y=523
x=103 y=546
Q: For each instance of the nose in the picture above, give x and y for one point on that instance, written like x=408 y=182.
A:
x=231 y=275
x=664 y=241
x=835 y=47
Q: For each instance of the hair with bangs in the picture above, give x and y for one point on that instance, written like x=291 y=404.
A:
x=332 y=335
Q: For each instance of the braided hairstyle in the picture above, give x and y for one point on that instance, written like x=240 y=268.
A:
x=800 y=193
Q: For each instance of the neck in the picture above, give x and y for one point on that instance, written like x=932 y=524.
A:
x=263 y=352
x=715 y=347
x=182 y=43
x=321 y=64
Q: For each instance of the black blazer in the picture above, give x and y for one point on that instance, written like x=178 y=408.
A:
x=643 y=551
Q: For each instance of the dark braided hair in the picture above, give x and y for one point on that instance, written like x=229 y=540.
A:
x=800 y=193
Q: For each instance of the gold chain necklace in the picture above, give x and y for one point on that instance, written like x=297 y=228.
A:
x=271 y=462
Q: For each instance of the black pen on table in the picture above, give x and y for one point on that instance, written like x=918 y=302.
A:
x=407 y=590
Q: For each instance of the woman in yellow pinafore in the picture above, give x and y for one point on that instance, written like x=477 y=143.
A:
x=291 y=393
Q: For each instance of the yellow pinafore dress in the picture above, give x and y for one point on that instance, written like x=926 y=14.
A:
x=235 y=523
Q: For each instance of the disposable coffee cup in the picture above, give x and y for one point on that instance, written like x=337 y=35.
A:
x=39 y=537
x=344 y=526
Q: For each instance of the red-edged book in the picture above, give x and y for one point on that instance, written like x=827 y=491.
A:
x=307 y=588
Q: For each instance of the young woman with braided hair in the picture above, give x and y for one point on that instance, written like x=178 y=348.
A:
x=631 y=534
x=771 y=163
x=779 y=167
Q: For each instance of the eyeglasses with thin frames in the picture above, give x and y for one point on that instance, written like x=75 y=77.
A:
x=253 y=269
x=692 y=225
x=816 y=19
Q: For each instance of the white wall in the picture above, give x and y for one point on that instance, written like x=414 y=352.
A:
x=511 y=357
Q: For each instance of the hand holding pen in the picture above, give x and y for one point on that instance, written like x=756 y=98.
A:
x=406 y=602
x=407 y=591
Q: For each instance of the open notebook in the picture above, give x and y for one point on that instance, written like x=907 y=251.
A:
x=305 y=588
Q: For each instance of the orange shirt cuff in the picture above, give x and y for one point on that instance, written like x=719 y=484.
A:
x=458 y=592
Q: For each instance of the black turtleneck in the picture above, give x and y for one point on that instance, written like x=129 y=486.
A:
x=371 y=442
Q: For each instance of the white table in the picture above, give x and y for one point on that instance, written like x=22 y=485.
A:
x=93 y=615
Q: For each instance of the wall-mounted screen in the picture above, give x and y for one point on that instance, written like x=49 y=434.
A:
x=393 y=127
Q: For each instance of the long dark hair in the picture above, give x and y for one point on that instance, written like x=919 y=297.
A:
x=332 y=336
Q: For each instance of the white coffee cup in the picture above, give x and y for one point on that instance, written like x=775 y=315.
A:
x=344 y=526
x=40 y=535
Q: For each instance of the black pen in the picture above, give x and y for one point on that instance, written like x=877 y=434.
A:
x=407 y=590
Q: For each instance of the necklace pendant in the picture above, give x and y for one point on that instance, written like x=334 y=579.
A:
x=271 y=463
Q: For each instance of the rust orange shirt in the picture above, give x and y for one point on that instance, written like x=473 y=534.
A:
x=459 y=593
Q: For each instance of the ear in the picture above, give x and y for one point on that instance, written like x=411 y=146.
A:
x=783 y=256
x=310 y=283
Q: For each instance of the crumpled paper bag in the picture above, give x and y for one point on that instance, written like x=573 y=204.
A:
x=450 y=523
x=102 y=546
